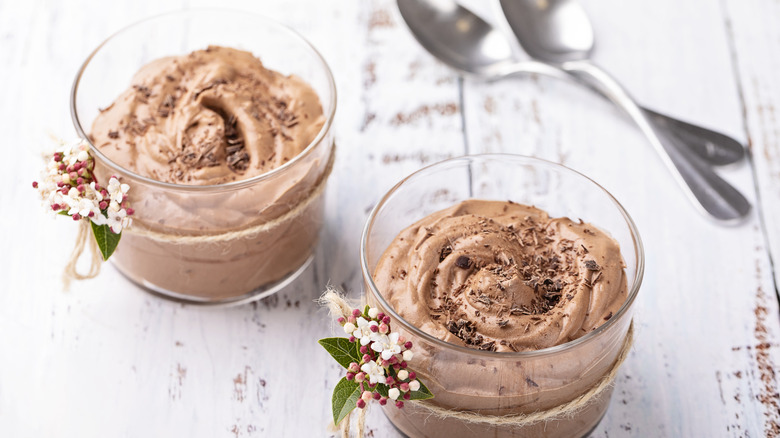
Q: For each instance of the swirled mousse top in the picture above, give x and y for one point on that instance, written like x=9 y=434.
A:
x=502 y=276
x=210 y=117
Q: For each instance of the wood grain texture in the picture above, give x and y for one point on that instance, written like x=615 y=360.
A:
x=107 y=359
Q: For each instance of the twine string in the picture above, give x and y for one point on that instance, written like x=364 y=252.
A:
x=338 y=306
x=83 y=238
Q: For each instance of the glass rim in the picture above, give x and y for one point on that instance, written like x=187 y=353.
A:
x=331 y=84
x=637 y=280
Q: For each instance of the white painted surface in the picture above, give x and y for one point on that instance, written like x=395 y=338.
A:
x=107 y=359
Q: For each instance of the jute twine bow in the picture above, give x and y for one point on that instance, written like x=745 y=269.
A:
x=338 y=306
x=83 y=239
x=84 y=232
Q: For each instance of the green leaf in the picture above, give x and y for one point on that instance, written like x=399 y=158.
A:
x=383 y=389
x=342 y=350
x=345 y=397
x=422 y=394
x=106 y=240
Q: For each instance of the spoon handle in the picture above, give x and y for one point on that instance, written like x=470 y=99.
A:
x=713 y=147
x=714 y=195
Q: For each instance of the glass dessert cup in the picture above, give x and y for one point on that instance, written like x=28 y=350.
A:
x=504 y=383
x=213 y=244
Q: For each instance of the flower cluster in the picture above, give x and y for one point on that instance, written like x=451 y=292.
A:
x=68 y=186
x=384 y=360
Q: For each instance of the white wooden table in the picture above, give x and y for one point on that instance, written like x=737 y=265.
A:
x=109 y=360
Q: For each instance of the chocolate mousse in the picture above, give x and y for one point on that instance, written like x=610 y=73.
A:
x=501 y=276
x=218 y=118
x=210 y=117
x=505 y=279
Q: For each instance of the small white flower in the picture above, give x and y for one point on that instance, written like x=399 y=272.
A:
x=403 y=375
x=394 y=393
x=374 y=372
x=87 y=206
x=116 y=220
x=373 y=312
x=387 y=345
x=99 y=218
x=414 y=385
x=82 y=156
x=363 y=331
x=117 y=191
x=349 y=328
x=408 y=355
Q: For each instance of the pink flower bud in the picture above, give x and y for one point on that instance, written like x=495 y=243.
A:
x=91 y=214
x=390 y=381
x=374 y=328
x=341 y=319
x=394 y=360
x=350 y=376
x=60 y=183
x=65 y=190
x=363 y=349
x=399 y=404
x=55 y=207
x=412 y=375
x=401 y=340
x=408 y=345
x=76 y=217
x=407 y=396
x=58 y=156
x=79 y=180
x=356 y=313
x=403 y=365
x=404 y=387
x=366 y=358
x=380 y=316
x=360 y=377
x=377 y=396
x=351 y=339
x=386 y=319
x=383 y=401
x=104 y=193
x=73 y=176
x=103 y=205
x=367 y=395
x=76 y=166
x=62 y=167
x=383 y=328
x=352 y=319
x=35 y=184
x=396 y=366
x=81 y=172
x=97 y=187
x=353 y=367
x=361 y=404
x=80 y=188
x=384 y=363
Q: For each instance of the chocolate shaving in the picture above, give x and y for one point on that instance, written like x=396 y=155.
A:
x=591 y=265
x=447 y=250
x=463 y=262
x=530 y=382
x=113 y=134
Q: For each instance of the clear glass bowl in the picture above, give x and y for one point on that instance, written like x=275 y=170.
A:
x=496 y=383
x=196 y=243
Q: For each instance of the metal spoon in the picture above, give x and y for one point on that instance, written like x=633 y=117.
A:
x=466 y=42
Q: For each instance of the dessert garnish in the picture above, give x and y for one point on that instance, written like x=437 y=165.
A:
x=376 y=360
x=69 y=187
